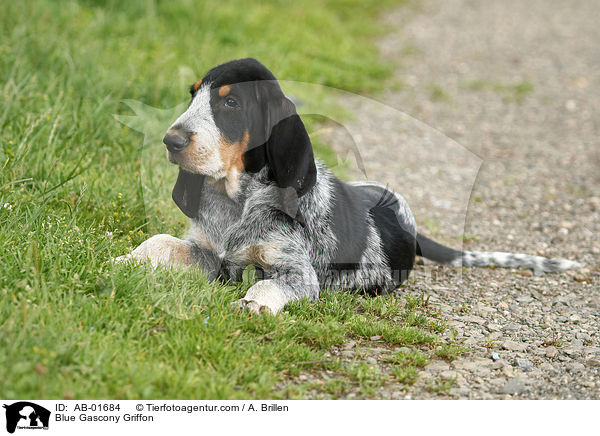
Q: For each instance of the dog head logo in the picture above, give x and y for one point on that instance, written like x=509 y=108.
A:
x=26 y=415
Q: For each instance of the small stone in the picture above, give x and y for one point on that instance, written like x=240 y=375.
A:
x=495 y=356
x=508 y=371
x=378 y=351
x=514 y=386
x=496 y=381
x=551 y=352
x=575 y=318
x=593 y=362
x=514 y=346
x=524 y=299
x=573 y=351
x=566 y=224
x=538 y=351
x=494 y=336
x=498 y=365
x=449 y=374
x=523 y=364
x=349 y=344
x=462 y=391
x=375 y=338
x=472 y=341
x=474 y=364
x=575 y=367
x=511 y=327
x=581 y=82
x=437 y=365
x=474 y=319
x=493 y=327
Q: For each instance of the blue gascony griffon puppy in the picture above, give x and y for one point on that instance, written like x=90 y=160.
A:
x=255 y=194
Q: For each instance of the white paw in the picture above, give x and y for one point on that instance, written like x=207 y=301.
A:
x=251 y=306
x=161 y=251
x=264 y=296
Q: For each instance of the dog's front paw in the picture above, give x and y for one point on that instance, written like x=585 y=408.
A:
x=264 y=296
x=251 y=306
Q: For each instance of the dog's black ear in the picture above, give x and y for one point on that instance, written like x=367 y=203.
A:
x=290 y=156
x=186 y=193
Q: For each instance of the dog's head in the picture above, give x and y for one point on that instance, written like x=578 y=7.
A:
x=239 y=121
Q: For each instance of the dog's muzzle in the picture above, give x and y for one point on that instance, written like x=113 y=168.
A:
x=176 y=140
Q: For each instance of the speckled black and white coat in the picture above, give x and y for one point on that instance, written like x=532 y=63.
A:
x=255 y=195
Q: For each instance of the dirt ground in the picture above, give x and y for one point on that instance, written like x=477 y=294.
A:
x=493 y=140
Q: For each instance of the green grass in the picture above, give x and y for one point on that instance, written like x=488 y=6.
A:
x=438 y=94
x=76 y=188
x=516 y=92
x=441 y=386
x=554 y=339
x=450 y=351
x=406 y=365
x=140 y=333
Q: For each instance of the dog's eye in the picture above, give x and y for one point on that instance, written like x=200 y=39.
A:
x=230 y=102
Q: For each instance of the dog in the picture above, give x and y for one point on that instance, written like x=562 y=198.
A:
x=255 y=195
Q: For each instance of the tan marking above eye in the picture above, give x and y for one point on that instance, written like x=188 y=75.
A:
x=224 y=90
x=197 y=85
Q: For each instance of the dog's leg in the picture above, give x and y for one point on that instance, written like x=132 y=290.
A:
x=285 y=283
x=166 y=250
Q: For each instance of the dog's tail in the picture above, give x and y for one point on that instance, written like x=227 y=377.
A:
x=439 y=253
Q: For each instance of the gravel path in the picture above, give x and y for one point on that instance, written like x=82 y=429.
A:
x=506 y=153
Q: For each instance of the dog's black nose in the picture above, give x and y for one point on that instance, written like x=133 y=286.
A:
x=176 y=141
